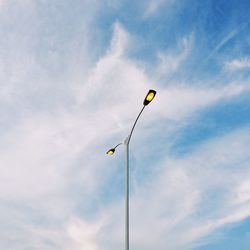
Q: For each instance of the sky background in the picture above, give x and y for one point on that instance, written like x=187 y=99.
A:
x=73 y=76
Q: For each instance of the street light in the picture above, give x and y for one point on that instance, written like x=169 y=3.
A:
x=149 y=97
x=112 y=150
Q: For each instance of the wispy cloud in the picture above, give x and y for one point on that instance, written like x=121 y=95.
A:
x=170 y=62
x=227 y=38
x=154 y=5
x=183 y=101
x=237 y=64
x=83 y=234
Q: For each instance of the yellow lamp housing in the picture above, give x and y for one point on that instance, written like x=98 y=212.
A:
x=149 y=97
x=111 y=151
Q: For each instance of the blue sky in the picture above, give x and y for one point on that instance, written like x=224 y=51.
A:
x=73 y=75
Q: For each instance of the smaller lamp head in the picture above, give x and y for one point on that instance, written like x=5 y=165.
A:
x=111 y=151
x=149 y=97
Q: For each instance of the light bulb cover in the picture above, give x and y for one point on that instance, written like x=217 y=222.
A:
x=149 y=97
x=111 y=151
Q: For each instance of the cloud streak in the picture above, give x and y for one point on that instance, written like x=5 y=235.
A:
x=238 y=64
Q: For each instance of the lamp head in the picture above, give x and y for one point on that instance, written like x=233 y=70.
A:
x=149 y=97
x=111 y=151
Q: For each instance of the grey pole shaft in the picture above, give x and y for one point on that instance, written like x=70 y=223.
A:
x=127 y=183
x=127 y=197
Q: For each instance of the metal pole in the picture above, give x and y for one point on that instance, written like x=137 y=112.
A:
x=127 y=196
x=127 y=182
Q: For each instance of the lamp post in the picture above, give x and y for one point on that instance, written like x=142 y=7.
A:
x=149 y=97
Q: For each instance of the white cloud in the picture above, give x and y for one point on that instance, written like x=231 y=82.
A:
x=169 y=62
x=154 y=5
x=183 y=101
x=83 y=234
x=120 y=40
x=242 y=192
x=237 y=64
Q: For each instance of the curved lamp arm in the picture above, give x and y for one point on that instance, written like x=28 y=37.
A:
x=149 y=97
x=132 y=130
